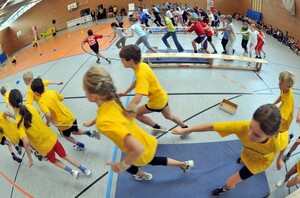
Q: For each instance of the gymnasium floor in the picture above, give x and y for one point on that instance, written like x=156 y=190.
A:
x=194 y=95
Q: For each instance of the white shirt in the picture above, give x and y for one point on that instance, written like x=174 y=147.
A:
x=138 y=29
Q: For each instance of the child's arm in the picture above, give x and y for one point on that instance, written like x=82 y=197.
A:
x=134 y=150
x=198 y=128
x=298 y=116
x=131 y=35
x=55 y=83
x=48 y=118
x=89 y=123
x=8 y=114
x=134 y=102
x=113 y=38
x=27 y=148
x=277 y=101
x=131 y=87
x=279 y=162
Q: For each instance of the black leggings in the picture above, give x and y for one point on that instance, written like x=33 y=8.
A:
x=224 y=43
x=156 y=161
x=244 y=44
x=245 y=173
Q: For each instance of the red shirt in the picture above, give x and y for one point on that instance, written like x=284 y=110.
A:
x=259 y=39
x=208 y=31
x=197 y=27
x=92 y=40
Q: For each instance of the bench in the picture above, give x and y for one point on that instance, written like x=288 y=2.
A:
x=210 y=57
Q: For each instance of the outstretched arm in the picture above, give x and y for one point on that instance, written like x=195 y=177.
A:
x=56 y=83
x=131 y=35
x=131 y=87
x=199 y=128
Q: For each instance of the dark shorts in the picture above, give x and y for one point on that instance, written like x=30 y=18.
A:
x=199 y=39
x=95 y=48
x=155 y=110
x=245 y=173
x=209 y=38
x=68 y=132
x=3 y=140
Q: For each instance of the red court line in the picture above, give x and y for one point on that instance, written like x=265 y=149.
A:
x=16 y=186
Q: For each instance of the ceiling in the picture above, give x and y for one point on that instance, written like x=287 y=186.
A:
x=11 y=7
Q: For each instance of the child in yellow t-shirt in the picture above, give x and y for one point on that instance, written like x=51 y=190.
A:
x=28 y=77
x=34 y=132
x=60 y=115
x=116 y=123
x=146 y=84
x=260 y=138
x=286 y=108
x=9 y=130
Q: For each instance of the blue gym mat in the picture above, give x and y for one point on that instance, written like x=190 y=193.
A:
x=214 y=163
x=176 y=60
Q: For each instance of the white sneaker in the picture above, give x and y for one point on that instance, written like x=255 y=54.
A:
x=188 y=165
x=78 y=148
x=95 y=134
x=87 y=172
x=156 y=132
x=75 y=174
x=281 y=183
x=139 y=178
x=184 y=136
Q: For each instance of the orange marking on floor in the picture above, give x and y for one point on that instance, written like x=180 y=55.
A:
x=16 y=186
x=244 y=87
x=233 y=81
x=65 y=45
x=224 y=76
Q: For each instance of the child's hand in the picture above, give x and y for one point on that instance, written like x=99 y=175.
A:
x=88 y=124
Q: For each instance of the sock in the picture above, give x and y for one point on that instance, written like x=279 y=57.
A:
x=195 y=51
x=186 y=126
x=288 y=154
x=88 y=133
x=13 y=154
x=156 y=126
x=67 y=168
x=17 y=148
x=82 y=168
x=81 y=145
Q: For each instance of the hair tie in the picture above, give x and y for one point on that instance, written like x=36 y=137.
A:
x=19 y=104
x=99 y=85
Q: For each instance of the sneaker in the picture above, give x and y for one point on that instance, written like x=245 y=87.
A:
x=188 y=165
x=218 y=191
x=17 y=159
x=98 y=61
x=78 y=148
x=38 y=155
x=19 y=149
x=214 y=52
x=281 y=183
x=156 y=132
x=286 y=157
x=95 y=134
x=139 y=178
x=75 y=174
x=108 y=60
x=184 y=136
x=224 y=52
x=87 y=172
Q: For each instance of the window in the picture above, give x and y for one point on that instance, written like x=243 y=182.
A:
x=17 y=14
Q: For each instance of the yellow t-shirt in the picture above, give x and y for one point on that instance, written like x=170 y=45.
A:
x=40 y=136
x=6 y=98
x=148 y=85
x=115 y=125
x=286 y=110
x=9 y=128
x=31 y=96
x=51 y=101
x=169 y=24
x=256 y=156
